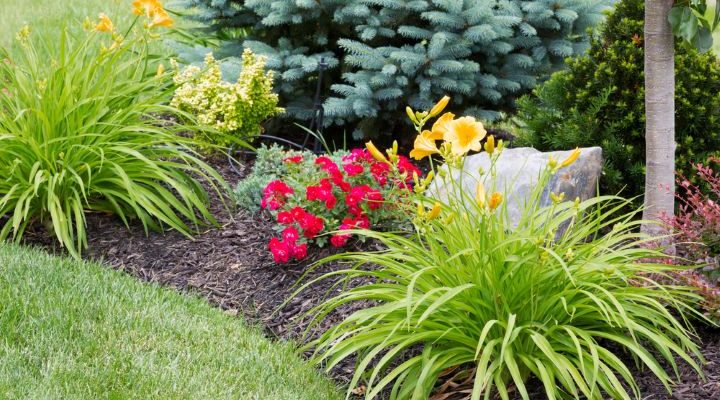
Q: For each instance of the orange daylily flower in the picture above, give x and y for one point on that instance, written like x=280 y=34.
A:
x=424 y=146
x=146 y=7
x=105 y=24
x=495 y=200
x=464 y=134
x=160 y=17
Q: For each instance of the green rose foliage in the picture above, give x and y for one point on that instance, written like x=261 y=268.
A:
x=599 y=100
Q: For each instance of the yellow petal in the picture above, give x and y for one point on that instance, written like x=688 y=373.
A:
x=441 y=126
x=424 y=146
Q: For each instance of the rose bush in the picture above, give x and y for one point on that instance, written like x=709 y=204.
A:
x=333 y=193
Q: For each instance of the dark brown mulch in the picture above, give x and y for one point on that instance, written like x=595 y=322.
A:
x=232 y=268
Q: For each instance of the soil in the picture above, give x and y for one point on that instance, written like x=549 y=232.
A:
x=231 y=267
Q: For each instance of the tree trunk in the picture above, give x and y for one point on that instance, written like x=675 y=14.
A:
x=659 y=114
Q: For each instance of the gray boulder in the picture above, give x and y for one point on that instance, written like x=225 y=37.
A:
x=517 y=175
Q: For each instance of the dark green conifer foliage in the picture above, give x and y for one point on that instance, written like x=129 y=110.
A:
x=386 y=54
x=600 y=101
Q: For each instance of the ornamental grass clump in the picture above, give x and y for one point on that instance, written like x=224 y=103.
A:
x=82 y=131
x=468 y=294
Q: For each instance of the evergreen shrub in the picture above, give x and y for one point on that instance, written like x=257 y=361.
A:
x=600 y=101
x=385 y=54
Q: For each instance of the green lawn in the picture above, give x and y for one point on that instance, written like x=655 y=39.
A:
x=47 y=16
x=75 y=330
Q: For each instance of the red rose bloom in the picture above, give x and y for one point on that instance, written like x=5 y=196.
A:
x=285 y=217
x=339 y=240
x=353 y=169
x=300 y=251
x=293 y=159
x=290 y=235
x=281 y=251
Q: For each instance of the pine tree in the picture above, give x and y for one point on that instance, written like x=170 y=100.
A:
x=386 y=54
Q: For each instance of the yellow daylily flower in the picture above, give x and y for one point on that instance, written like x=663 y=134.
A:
x=424 y=146
x=464 y=134
x=571 y=158
x=146 y=7
x=439 y=106
x=105 y=24
x=160 y=17
x=440 y=127
x=495 y=200
x=375 y=152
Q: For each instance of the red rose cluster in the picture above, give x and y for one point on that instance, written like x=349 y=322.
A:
x=318 y=194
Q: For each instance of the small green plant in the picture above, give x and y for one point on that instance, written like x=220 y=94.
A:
x=599 y=100
x=269 y=165
x=82 y=131
x=553 y=297
x=234 y=110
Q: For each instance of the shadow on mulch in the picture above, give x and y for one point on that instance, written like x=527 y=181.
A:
x=232 y=267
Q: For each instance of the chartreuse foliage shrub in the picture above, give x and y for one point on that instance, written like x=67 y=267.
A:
x=599 y=100
x=234 y=110
x=384 y=54
x=468 y=290
x=81 y=132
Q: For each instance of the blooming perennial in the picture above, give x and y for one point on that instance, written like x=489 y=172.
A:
x=321 y=198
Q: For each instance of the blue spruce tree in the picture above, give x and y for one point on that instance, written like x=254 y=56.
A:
x=386 y=54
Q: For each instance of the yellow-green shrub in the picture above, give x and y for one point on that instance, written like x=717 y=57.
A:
x=234 y=110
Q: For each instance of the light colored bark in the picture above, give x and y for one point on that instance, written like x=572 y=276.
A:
x=659 y=113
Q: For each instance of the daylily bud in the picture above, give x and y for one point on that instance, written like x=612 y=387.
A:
x=490 y=144
x=439 y=106
x=411 y=115
x=571 y=158
x=557 y=198
x=420 y=115
x=552 y=162
x=395 y=147
x=416 y=178
x=428 y=178
x=160 y=70
x=480 y=195
x=420 y=210
x=375 y=153
x=500 y=145
x=434 y=212
x=495 y=200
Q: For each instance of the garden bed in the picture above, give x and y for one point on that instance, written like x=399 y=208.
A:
x=232 y=267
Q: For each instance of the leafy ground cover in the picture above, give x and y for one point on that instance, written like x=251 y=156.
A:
x=78 y=330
